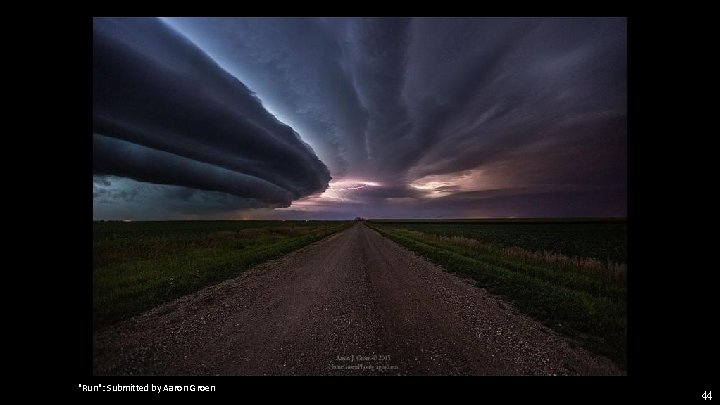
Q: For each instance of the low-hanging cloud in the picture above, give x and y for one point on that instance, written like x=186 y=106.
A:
x=121 y=197
x=414 y=117
x=164 y=112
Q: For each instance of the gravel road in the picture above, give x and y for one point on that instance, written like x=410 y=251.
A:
x=355 y=303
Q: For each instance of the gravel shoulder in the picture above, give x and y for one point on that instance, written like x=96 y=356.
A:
x=355 y=303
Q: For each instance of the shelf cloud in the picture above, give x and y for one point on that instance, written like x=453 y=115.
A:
x=339 y=117
x=166 y=113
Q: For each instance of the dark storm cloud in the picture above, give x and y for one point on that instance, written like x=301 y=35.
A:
x=299 y=69
x=116 y=157
x=529 y=101
x=482 y=89
x=164 y=112
x=413 y=116
x=124 y=198
x=376 y=53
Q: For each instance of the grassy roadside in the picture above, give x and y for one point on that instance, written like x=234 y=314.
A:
x=583 y=298
x=139 y=265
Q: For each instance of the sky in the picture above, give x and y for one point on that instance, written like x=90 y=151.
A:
x=333 y=118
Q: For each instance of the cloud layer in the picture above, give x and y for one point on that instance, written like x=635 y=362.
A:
x=166 y=113
x=414 y=117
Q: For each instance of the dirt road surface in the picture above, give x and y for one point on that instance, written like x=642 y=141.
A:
x=355 y=303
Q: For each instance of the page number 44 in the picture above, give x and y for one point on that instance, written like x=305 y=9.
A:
x=707 y=395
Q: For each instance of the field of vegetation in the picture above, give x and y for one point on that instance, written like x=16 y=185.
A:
x=572 y=276
x=139 y=265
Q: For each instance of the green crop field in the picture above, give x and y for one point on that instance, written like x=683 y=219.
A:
x=139 y=265
x=603 y=240
x=570 y=275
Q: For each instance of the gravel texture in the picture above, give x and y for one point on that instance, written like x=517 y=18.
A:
x=355 y=303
